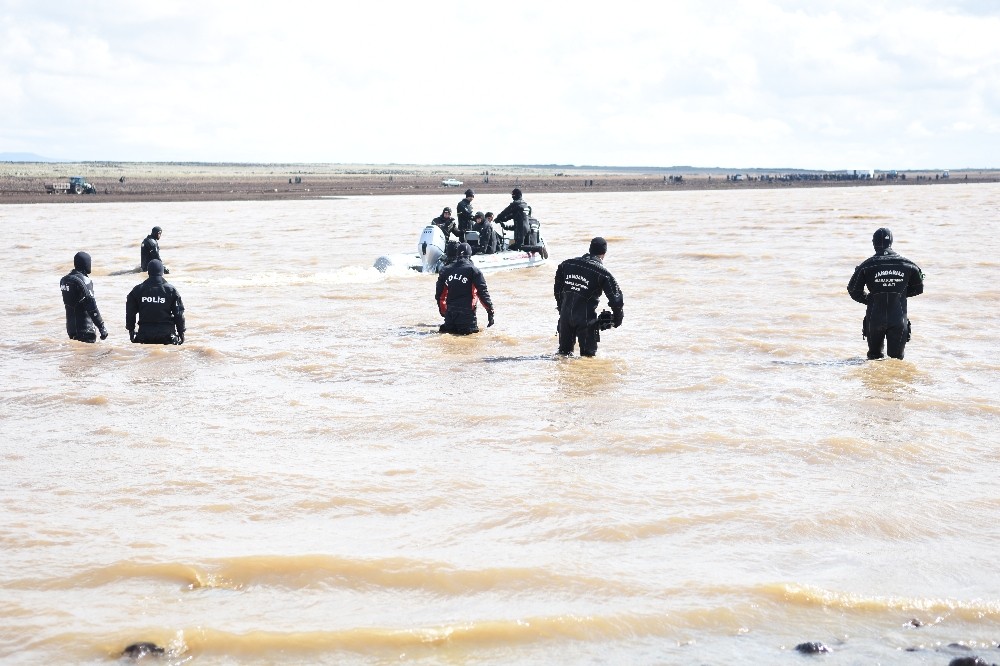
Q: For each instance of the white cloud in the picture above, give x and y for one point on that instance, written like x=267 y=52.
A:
x=745 y=84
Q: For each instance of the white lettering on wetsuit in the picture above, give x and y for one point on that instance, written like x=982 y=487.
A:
x=457 y=277
x=573 y=281
x=889 y=278
x=153 y=299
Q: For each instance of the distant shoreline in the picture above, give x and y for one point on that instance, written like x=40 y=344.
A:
x=25 y=182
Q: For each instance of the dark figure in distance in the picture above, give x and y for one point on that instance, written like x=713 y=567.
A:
x=578 y=287
x=464 y=209
x=150 y=249
x=889 y=279
x=446 y=224
x=83 y=319
x=488 y=241
x=517 y=213
x=459 y=286
x=160 y=310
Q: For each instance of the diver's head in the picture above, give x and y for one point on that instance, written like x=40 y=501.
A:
x=598 y=247
x=515 y=193
x=464 y=250
x=81 y=262
x=882 y=240
x=155 y=268
x=156 y=233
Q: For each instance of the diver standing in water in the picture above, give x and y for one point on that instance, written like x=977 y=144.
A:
x=159 y=307
x=460 y=286
x=150 y=249
x=578 y=287
x=82 y=315
x=889 y=279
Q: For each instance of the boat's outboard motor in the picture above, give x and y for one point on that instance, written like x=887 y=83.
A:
x=430 y=248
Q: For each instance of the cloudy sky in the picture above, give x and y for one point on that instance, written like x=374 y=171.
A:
x=765 y=83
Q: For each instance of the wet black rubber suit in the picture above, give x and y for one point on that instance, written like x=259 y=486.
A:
x=83 y=319
x=464 y=213
x=150 y=249
x=447 y=225
x=889 y=279
x=159 y=307
x=489 y=243
x=517 y=213
x=459 y=286
x=578 y=287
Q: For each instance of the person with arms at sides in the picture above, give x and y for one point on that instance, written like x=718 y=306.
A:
x=158 y=306
x=460 y=287
x=882 y=283
x=83 y=319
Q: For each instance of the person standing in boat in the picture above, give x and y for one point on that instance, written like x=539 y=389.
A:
x=150 y=249
x=488 y=241
x=83 y=319
x=882 y=283
x=159 y=309
x=517 y=213
x=445 y=223
x=460 y=288
x=578 y=287
x=465 y=217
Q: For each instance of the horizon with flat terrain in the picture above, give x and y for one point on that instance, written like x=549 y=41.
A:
x=46 y=182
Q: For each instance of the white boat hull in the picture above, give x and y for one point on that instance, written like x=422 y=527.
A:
x=430 y=256
x=486 y=262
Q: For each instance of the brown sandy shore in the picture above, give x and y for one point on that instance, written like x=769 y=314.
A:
x=25 y=182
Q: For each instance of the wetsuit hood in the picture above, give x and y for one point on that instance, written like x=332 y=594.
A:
x=81 y=262
x=155 y=268
x=464 y=250
x=882 y=239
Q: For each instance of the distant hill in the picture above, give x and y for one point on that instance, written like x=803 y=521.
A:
x=24 y=157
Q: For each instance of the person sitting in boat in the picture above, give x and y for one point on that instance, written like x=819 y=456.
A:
x=488 y=242
x=460 y=287
x=517 y=213
x=446 y=224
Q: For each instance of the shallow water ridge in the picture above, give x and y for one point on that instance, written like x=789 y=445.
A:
x=317 y=477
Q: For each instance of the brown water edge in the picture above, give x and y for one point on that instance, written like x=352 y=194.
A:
x=22 y=183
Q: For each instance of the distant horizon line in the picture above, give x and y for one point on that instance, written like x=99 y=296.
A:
x=32 y=158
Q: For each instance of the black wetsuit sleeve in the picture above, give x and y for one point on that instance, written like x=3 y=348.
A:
x=916 y=284
x=616 y=300
x=482 y=290
x=856 y=287
x=131 y=308
x=440 y=293
x=505 y=215
x=178 y=313
x=557 y=287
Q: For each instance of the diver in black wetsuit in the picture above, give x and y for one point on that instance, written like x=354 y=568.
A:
x=82 y=315
x=889 y=279
x=159 y=307
x=150 y=249
x=464 y=212
x=460 y=286
x=578 y=287
x=517 y=213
